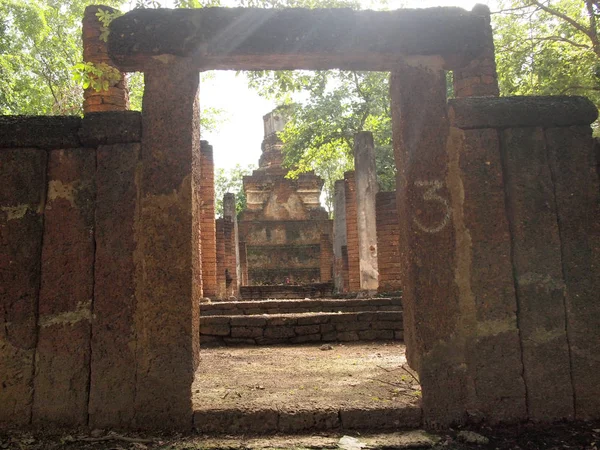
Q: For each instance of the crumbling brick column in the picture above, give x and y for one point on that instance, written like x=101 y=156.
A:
x=479 y=78
x=221 y=259
x=22 y=198
x=232 y=249
x=388 y=242
x=61 y=383
x=116 y=98
x=326 y=258
x=366 y=188
x=352 y=232
x=339 y=234
x=207 y=221
x=169 y=281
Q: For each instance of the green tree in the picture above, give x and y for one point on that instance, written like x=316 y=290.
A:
x=335 y=106
x=548 y=47
x=231 y=180
x=40 y=42
x=40 y=45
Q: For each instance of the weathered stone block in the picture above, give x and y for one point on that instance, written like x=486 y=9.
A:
x=50 y=132
x=23 y=192
x=278 y=332
x=215 y=330
x=352 y=326
x=112 y=386
x=307 y=329
x=347 y=336
x=168 y=242
x=114 y=127
x=540 y=285
x=507 y=112
x=62 y=372
x=576 y=186
x=248 y=321
x=488 y=273
x=246 y=332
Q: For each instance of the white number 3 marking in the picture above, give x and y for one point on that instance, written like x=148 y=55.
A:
x=431 y=195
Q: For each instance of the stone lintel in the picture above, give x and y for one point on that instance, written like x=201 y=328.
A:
x=521 y=112
x=295 y=38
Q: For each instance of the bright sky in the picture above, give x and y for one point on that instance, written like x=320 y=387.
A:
x=239 y=138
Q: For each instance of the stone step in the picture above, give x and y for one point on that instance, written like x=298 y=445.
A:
x=315 y=290
x=298 y=328
x=299 y=306
x=282 y=420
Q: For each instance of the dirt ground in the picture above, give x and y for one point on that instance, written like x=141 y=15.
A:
x=344 y=375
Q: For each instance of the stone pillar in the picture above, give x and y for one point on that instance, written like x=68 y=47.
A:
x=432 y=310
x=366 y=189
x=62 y=375
x=230 y=213
x=112 y=385
x=168 y=236
x=479 y=78
x=339 y=234
x=221 y=259
x=95 y=51
x=388 y=240
x=207 y=221
x=22 y=198
x=326 y=258
x=243 y=263
x=352 y=233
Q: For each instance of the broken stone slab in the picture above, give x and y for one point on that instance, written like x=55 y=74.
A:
x=294 y=38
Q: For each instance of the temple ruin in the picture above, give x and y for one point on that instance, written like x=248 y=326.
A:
x=283 y=226
x=104 y=239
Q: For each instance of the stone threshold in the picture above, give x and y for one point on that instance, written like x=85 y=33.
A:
x=292 y=421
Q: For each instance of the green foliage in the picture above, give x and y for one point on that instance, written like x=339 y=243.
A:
x=106 y=17
x=97 y=76
x=231 y=181
x=40 y=42
x=548 y=48
x=320 y=133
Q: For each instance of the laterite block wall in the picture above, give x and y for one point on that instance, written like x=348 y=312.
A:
x=70 y=274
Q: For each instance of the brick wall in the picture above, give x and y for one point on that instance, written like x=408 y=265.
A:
x=226 y=260
x=207 y=221
x=326 y=258
x=388 y=242
x=352 y=233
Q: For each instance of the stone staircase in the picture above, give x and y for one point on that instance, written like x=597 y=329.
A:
x=297 y=321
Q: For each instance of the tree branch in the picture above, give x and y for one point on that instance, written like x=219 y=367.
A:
x=564 y=17
x=561 y=39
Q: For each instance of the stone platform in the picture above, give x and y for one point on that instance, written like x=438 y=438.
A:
x=294 y=389
x=270 y=322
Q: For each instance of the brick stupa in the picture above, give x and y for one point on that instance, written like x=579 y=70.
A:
x=284 y=225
